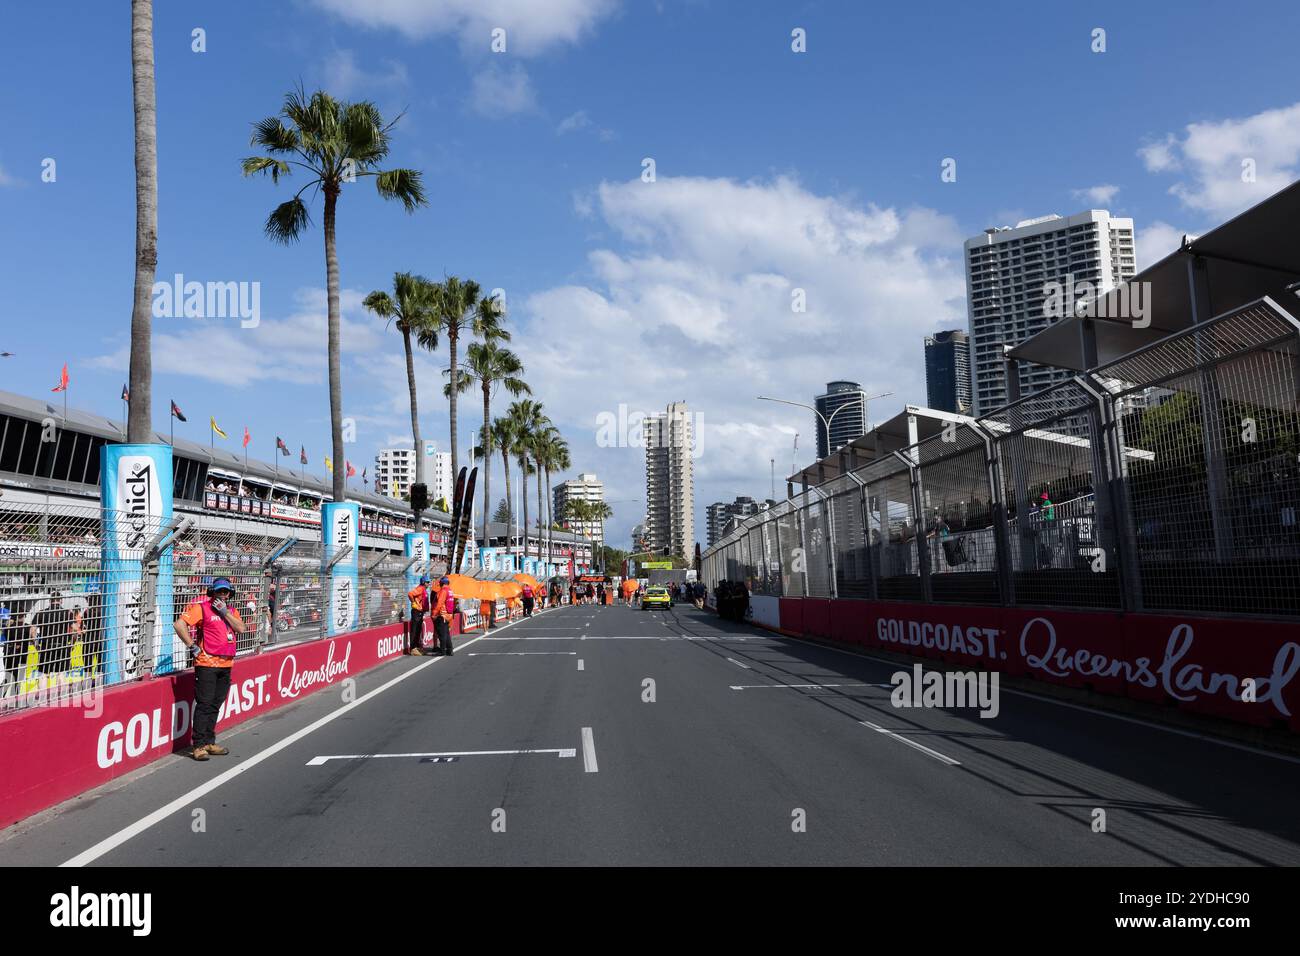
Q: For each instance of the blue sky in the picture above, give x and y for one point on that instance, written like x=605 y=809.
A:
x=775 y=171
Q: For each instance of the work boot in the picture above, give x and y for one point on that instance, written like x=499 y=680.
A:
x=199 y=753
x=216 y=750
x=416 y=652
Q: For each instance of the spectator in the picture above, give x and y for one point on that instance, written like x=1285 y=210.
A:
x=213 y=626
x=55 y=630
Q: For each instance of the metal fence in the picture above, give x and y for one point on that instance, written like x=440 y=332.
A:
x=60 y=567
x=1166 y=480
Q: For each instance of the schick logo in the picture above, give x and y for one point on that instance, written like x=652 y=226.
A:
x=342 y=529
x=343 y=603
x=135 y=495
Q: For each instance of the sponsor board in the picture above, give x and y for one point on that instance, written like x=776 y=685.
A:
x=136 y=494
x=339 y=527
x=20 y=550
x=1247 y=673
x=763 y=609
x=418 y=546
x=48 y=754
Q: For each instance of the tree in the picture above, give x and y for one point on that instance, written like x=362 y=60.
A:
x=503 y=438
x=335 y=142
x=139 y=427
x=526 y=418
x=411 y=306
x=462 y=307
x=502 y=515
x=489 y=365
x=552 y=455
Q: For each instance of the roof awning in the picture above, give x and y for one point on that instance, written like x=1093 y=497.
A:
x=914 y=423
x=1255 y=254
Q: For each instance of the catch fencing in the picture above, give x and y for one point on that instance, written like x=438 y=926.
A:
x=1166 y=480
x=63 y=567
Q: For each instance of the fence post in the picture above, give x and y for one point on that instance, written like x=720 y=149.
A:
x=908 y=457
x=873 y=548
x=1125 y=537
x=803 y=549
x=998 y=510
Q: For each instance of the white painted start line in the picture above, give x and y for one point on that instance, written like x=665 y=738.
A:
x=562 y=751
x=523 y=653
x=580 y=663
x=942 y=758
x=739 y=664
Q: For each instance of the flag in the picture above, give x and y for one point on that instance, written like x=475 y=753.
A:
x=364 y=479
x=247 y=437
x=281 y=447
x=126 y=396
x=302 y=455
x=63 y=380
x=215 y=427
x=329 y=465
x=350 y=471
x=180 y=415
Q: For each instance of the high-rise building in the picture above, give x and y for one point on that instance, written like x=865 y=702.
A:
x=395 y=472
x=670 y=482
x=845 y=406
x=720 y=513
x=947 y=371
x=586 y=487
x=1008 y=270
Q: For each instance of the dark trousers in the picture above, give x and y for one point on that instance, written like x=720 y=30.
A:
x=415 y=630
x=211 y=684
x=528 y=607
x=443 y=630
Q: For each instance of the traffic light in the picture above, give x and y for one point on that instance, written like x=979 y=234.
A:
x=419 y=497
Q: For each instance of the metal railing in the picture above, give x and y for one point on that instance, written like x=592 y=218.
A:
x=1166 y=480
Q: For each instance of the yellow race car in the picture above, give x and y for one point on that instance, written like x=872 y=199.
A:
x=656 y=597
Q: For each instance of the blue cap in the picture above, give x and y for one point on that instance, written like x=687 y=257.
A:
x=424 y=579
x=219 y=584
x=444 y=580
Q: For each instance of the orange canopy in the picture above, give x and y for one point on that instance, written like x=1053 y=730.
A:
x=527 y=579
x=467 y=588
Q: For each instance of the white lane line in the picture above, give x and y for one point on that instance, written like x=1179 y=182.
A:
x=588 y=751
x=108 y=844
x=580 y=667
x=942 y=758
x=739 y=664
x=784 y=686
x=562 y=751
x=521 y=653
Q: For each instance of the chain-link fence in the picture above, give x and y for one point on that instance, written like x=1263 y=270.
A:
x=90 y=598
x=1166 y=480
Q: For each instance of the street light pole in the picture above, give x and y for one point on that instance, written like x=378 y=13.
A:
x=826 y=422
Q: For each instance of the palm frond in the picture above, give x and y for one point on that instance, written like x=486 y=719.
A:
x=265 y=164
x=272 y=134
x=406 y=185
x=287 y=221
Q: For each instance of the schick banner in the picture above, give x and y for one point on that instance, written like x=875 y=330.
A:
x=419 y=547
x=136 y=498
x=339 y=522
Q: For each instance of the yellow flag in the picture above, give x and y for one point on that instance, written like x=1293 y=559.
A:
x=329 y=465
x=215 y=427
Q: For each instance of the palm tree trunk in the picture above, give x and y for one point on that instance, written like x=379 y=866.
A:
x=523 y=468
x=550 y=515
x=487 y=456
x=335 y=374
x=539 y=510
x=510 y=503
x=455 y=439
x=139 y=426
x=415 y=420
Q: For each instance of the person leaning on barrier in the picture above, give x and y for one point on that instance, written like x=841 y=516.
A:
x=214 y=627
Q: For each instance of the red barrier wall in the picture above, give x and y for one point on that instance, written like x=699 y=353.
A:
x=51 y=753
x=1198 y=664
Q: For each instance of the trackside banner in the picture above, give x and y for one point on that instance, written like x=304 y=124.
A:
x=136 y=496
x=51 y=753
x=339 y=529
x=418 y=546
x=1247 y=671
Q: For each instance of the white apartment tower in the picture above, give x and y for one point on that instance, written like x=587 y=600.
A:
x=670 y=482
x=1007 y=272
x=586 y=487
x=395 y=472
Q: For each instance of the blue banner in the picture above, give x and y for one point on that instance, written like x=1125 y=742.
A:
x=136 y=497
x=418 y=546
x=339 y=524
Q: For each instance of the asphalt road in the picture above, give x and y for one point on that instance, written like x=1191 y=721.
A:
x=536 y=745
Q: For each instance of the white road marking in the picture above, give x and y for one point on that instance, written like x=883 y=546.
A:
x=943 y=758
x=580 y=667
x=562 y=751
x=738 y=664
x=588 y=751
x=521 y=653
x=783 y=686
x=108 y=844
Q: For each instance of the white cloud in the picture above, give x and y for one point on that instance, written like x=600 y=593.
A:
x=289 y=350
x=1231 y=164
x=6 y=179
x=1096 y=195
x=500 y=92
x=343 y=77
x=1156 y=241
x=532 y=26
x=573 y=122
x=695 y=304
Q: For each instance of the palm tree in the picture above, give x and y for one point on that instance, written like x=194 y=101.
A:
x=139 y=427
x=411 y=305
x=462 y=307
x=526 y=419
x=599 y=512
x=335 y=142
x=555 y=458
x=503 y=437
x=490 y=365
